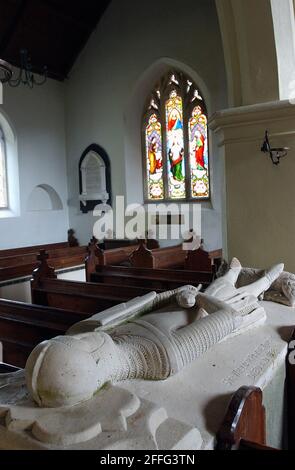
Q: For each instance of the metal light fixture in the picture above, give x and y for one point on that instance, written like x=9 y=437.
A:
x=275 y=154
x=25 y=75
x=5 y=71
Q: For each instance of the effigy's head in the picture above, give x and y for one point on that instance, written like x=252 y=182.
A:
x=67 y=370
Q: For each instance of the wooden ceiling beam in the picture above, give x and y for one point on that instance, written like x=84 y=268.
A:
x=70 y=18
x=13 y=25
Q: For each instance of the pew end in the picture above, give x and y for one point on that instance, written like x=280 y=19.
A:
x=244 y=420
x=44 y=271
x=201 y=260
x=95 y=256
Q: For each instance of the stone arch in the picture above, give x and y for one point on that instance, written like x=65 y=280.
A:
x=249 y=43
x=284 y=31
x=44 y=198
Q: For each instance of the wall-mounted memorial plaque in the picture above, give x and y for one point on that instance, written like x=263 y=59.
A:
x=95 y=181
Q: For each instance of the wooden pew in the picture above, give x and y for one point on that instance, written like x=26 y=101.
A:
x=110 y=244
x=83 y=297
x=32 y=249
x=21 y=265
x=161 y=258
x=176 y=257
x=202 y=260
x=98 y=257
x=244 y=424
x=23 y=326
x=163 y=279
x=244 y=420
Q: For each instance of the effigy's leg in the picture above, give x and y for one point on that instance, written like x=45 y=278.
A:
x=195 y=339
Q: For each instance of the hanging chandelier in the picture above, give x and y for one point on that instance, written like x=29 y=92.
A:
x=25 y=76
x=5 y=71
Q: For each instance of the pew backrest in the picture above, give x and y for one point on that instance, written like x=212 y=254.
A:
x=23 y=326
x=12 y=267
x=83 y=297
x=163 y=279
x=32 y=249
x=98 y=257
x=160 y=258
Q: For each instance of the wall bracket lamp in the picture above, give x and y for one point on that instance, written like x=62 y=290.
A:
x=275 y=154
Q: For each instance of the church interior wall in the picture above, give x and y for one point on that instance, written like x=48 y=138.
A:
x=111 y=80
x=103 y=100
x=38 y=120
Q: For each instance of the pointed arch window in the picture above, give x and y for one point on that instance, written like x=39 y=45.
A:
x=175 y=141
x=3 y=173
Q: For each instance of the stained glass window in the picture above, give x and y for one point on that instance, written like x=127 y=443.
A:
x=176 y=149
x=3 y=179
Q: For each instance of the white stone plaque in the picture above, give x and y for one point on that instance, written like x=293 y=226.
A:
x=93 y=172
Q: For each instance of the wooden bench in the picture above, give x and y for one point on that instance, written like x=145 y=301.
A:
x=163 y=279
x=201 y=260
x=32 y=249
x=244 y=425
x=23 y=326
x=160 y=258
x=110 y=244
x=176 y=257
x=98 y=257
x=83 y=297
x=20 y=265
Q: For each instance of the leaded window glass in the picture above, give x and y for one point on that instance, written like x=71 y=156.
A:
x=175 y=136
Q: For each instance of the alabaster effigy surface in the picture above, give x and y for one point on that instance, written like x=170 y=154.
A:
x=154 y=373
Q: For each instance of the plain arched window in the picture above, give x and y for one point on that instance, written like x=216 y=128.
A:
x=175 y=141
x=3 y=173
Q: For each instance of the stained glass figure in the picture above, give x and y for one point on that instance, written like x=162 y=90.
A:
x=198 y=147
x=175 y=146
x=154 y=159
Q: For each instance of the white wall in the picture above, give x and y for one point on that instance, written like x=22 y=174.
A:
x=260 y=195
x=21 y=291
x=130 y=49
x=38 y=120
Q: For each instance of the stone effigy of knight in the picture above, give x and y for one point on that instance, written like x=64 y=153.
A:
x=152 y=337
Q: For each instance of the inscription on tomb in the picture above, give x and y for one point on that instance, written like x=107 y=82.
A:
x=254 y=364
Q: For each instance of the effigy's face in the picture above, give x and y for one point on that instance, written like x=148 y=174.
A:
x=68 y=370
